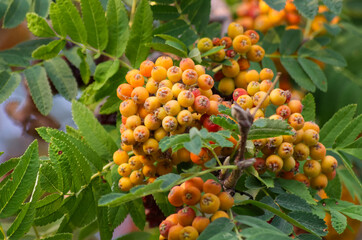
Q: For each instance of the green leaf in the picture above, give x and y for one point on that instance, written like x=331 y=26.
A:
x=173 y=39
x=308 y=107
x=50 y=50
x=253 y=234
x=15 y=13
x=8 y=83
x=163 y=47
x=334 y=5
x=195 y=55
x=282 y=225
x=49 y=180
x=297 y=188
x=135 y=236
x=308 y=9
x=118 y=30
x=105 y=71
x=111 y=105
x=55 y=16
x=199 y=13
x=305 y=236
x=212 y=51
x=38 y=26
x=292 y=202
x=297 y=73
x=173 y=28
x=141 y=33
x=116 y=215
x=14 y=192
x=48 y=205
x=3 y=7
x=137 y=212
x=336 y=124
x=173 y=141
x=220 y=224
x=8 y=165
x=339 y=221
x=350 y=133
x=334 y=188
x=256 y=223
x=41 y=7
x=291 y=40
x=271 y=41
x=265 y=128
x=60 y=236
x=315 y=73
x=163 y=203
x=98 y=138
x=39 y=88
x=276 y=4
x=71 y=21
x=62 y=77
x=95 y=23
x=164 y=12
x=354 y=212
x=346 y=162
x=225 y=123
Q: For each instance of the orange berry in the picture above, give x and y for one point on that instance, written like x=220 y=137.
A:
x=146 y=68
x=253 y=35
x=185 y=216
x=136 y=177
x=127 y=137
x=300 y=177
x=256 y=53
x=137 y=80
x=164 y=167
x=141 y=133
x=135 y=163
x=235 y=29
x=295 y=106
x=124 y=91
x=152 y=122
x=226 y=86
x=231 y=71
x=242 y=44
x=200 y=223
x=139 y=95
x=312 y=168
x=160 y=134
x=150 y=146
x=169 y=123
x=173 y=218
x=174 y=232
x=195 y=182
x=124 y=170
x=209 y=203
x=310 y=137
x=175 y=196
x=174 y=74
x=266 y=74
x=244 y=64
x=205 y=82
x=149 y=170
x=151 y=86
x=130 y=74
x=319 y=182
x=188 y=233
x=187 y=63
x=151 y=104
x=274 y=163
x=296 y=120
x=200 y=158
x=329 y=164
x=164 y=94
x=191 y=196
x=189 y=77
x=185 y=118
x=159 y=73
x=177 y=88
x=125 y=184
x=219 y=214
x=172 y=107
x=211 y=186
x=200 y=70
x=226 y=201
x=120 y=157
x=128 y=108
x=318 y=151
x=164 y=61
x=311 y=125
x=165 y=227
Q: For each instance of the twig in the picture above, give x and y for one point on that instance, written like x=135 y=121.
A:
x=103 y=170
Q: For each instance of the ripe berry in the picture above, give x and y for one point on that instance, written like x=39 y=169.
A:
x=172 y=107
x=127 y=137
x=226 y=86
x=211 y=186
x=312 y=168
x=235 y=29
x=275 y=117
x=218 y=56
x=174 y=74
x=185 y=118
x=124 y=170
x=329 y=164
x=288 y=164
x=216 y=41
x=226 y=41
x=125 y=184
x=226 y=201
x=317 y=151
x=290 y=138
x=165 y=227
x=177 y=88
x=189 y=77
x=265 y=85
x=219 y=214
x=258 y=114
x=295 y=106
x=201 y=104
x=120 y=157
x=266 y=74
x=124 y=91
x=277 y=97
x=146 y=68
x=128 y=108
x=331 y=175
x=231 y=71
x=186 y=215
x=137 y=80
x=300 y=177
x=173 y=218
x=139 y=95
x=175 y=196
x=164 y=167
x=187 y=63
x=195 y=182
x=205 y=82
x=283 y=111
x=253 y=35
x=159 y=73
x=164 y=61
x=285 y=150
x=159 y=134
x=164 y=95
x=174 y=232
x=296 y=121
x=151 y=104
x=245 y=101
x=209 y=203
x=242 y=44
x=188 y=233
x=200 y=70
x=205 y=44
x=208 y=124
x=256 y=53
x=253 y=87
x=299 y=136
x=260 y=166
x=152 y=122
x=165 y=83
x=252 y=76
x=259 y=143
x=243 y=64
x=274 y=163
x=301 y=151
x=141 y=133
x=214 y=108
x=310 y=137
x=133 y=121
x=319 y=182
x=230 y=53
x=258 y=97
x=130 y=74
x=169 y=123
x=274 y=141
x=151 y=86
x=201 y=158
x=150 y=146
x=200 y=223
x=149 y=170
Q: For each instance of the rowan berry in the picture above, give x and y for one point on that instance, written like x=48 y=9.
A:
x=174 y=232
x=149 y=170
x=283 y=111
x=165 y=83
x=285 y=150
x=226 y=201
x=242 y=44
x=200 y=223
x=125 y=147
x=200 y=158
x=186 y=215
x=252 y=88
x=206 y=93
x=165 y=228
x=318 y=151
x=185 y=118
x=319 y=182
x=218 y=56
x=152 y=122
x=205 y=44
x=231 y=71
x=201 y=104
x=216 y=41
x=253 y=35
x=160 y=134
x=212 y=186
x=151 y=86
x=141 y=133
x=226 y=41
x=174 y=74
x=137 y=80
x=128 y=108
x=265 y=85
x=188 y=233
x=331 y=175
x=299 y=136
x=276 y=117
x=256 y=53
x=274 y=163
x=277 y=97
x=164 y=167
x=164 y=61
x=120 y=157
x=275 y=141
x=189 y=77
x=159 y=73
x=312 y=168
x=258 y=113
x=245 y=101
x=187 y=63
x=208 y=124
x=290 y=138
x=127 y=137
x=301 y=151
x=124 y=170
x=244 y=64
x=175 y=196
x=135 y=163
x=184 y=155
x=124 y=91
x=209 y=203
x=146 y=68
x=130 y=74
x=259 y=143
x=219 y=214
x=230 y=53
x=214 y=108
x=295 y=106
x=164 y=95
x=152 y=103
x=235 y=29
x=150 y=146
x=195 y=91
x=289 y=164
x=329 y=164
x=200 y=70
x=300 y=177
x=296 y=121
x=195 y=182
x=218 y=76
x=310 y=137
x=205 y=82
x=239 y=92
x=173 y=218
x=172 y=108
x=125 y=184
x=262 y=23
x=139 y=95
x=177 y=88
x=311 y=125
x=169 y=123
x=258 y=97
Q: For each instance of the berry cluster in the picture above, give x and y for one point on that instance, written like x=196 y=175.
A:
x=256 y=14
x=196 y=196
x=160 y=100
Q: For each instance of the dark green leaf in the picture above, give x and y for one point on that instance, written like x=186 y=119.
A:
x=111 y=105
x=116 y=215
x=292 y=202
x=314 y=72
x=16 y=12
x=50 y=50
x=199 y=13
x=220 y=224
x=305 y=236
x=334 y=188
x=350 y=133
x=276 y=4
x=60 y=236
x=71 y=21
x=256 y=223
x=137 y=212
x=48 y=205
x=14 y=192
x=95 y=23
x=105 y=71
x=39 y=88
x=8 y=165
x=308 y=107
x=282 y=225
x=297 y=188
x=354 y=148
x=334 y=5
x=49 y=180
x=8 y=83
x=311 y=221
x=38 y=26
x=173 y=39
x=354 y=212
x=336 y=124
x=141 y=33
x=118 y=30
x=308 y=9
x=162 y=47
x=3 y=7
x=164 y=12
x=163 y=203
x=291 y=40
x=339 y=221
x=271 y=41
x=41 y=7
x=62 y=77
x=265 y=128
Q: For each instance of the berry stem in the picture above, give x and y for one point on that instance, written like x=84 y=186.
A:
x=240 y=237
x=133 y=11
x=103 y=170
x=214 y=154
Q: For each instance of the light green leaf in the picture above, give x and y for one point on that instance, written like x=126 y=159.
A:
x=16 y=12
x=39 y=88
x=308 y=9
x=336 y=124
x=297 y=73
x=111 y=105
x=291 y=40
x=49 y=180
x=41 y=7
x=38 y=26
x=212 y=51
x=98 y=138
x=118 y=30
x=256 y=223
x=50 y=50
x=105 y=71
x=62 y=77
x=350 y=133
x=354 y=148
x=60 y=236
x=297 y=188
x=339 y=221
x=315 y=73
x=354 y=212
x=71 y=21
x=84 y=66
x=308 y=107
x=265 y=128
x=8 y=165
x=162 y=47
x=55 y=16
x=334 y=5
x=276 y=4
x=95 y=23
x=14 y=192
x=8 y=83
x=195 y=55
x=48 y=205
x=141 y=34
